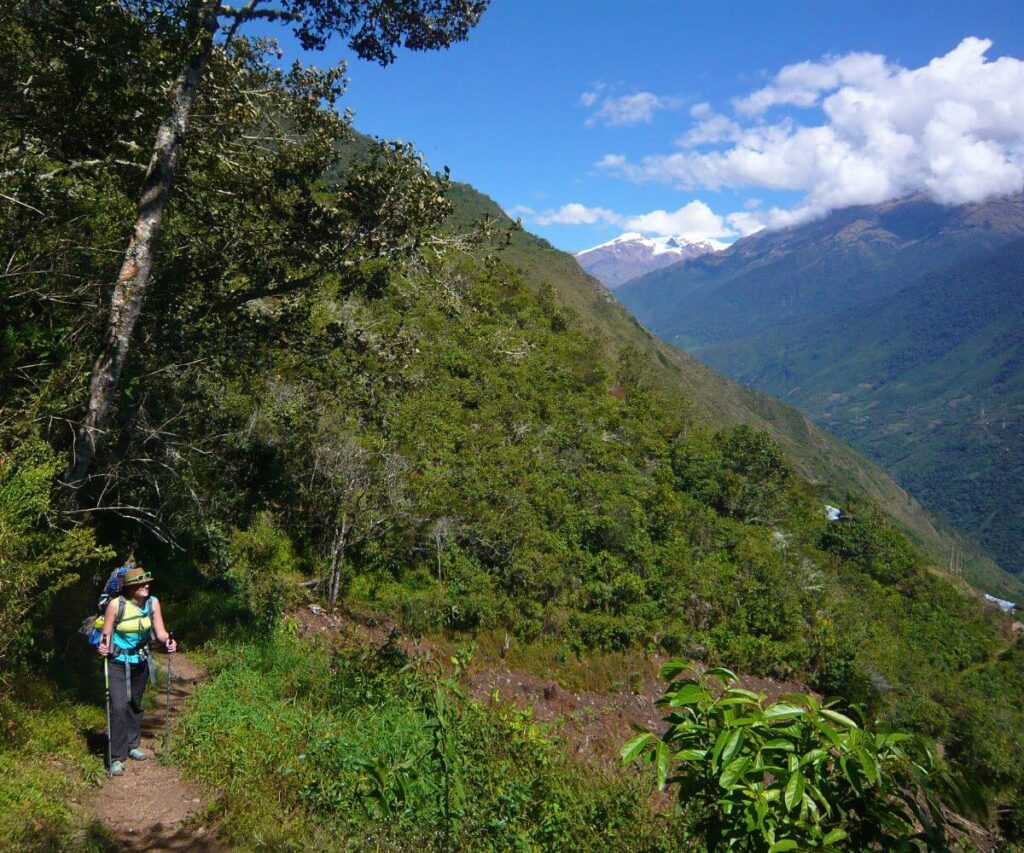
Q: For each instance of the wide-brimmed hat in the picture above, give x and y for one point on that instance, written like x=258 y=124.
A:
x=136 y=575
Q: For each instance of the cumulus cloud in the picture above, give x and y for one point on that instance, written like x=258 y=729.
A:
x=710 y=127
x=953 y=129
x=802 y=84
x=694 y=221
x=625 y=110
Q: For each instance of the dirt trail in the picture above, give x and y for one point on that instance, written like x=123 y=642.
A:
x=147 y=807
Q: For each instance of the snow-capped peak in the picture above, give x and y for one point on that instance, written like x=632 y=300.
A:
x=631 y=254
x=659 y=245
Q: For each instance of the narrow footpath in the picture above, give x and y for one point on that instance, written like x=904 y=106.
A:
x=148 y=808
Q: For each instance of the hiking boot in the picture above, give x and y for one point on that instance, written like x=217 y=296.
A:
x=138 y=755
x=117 y=768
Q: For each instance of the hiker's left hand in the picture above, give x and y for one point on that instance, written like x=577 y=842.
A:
x=171 y=646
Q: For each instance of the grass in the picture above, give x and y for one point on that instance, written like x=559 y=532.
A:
x=45 y=763
x=366 y=750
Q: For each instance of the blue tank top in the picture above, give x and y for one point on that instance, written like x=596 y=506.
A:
x=130 y=638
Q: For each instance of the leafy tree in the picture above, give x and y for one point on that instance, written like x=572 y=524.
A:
x=374 y=27
x=37 y=557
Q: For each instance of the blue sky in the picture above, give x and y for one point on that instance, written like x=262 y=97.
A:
x=588 y=118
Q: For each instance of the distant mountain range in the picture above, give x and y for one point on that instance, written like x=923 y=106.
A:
x=898 y=327
x=630 y=255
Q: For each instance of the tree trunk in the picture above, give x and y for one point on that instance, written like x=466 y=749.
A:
x=337 y=562
x=126 y=301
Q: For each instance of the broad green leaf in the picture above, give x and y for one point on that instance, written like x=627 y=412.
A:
x=809 y=806
x=686 y=694
x=812 y=757
x=733 y=772
x=725 y=676
x=691 y=755
x=732 y=746
x=720 y=742
x=736 y=700
x=785 y=844
x=779 y=743
x=672 y=668
x=634 y=746
x=869 y=764
x=836 y=717
x=794 y=791
x=831 y=734
x=739 y=691
x=834 y=836
x=825 y=804
x=662 y=764
x=781 y=710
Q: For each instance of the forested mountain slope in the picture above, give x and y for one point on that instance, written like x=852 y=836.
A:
x=819 y=457
x=340 y=391
x=777 y=278
x=928 y=381
x=800 y=314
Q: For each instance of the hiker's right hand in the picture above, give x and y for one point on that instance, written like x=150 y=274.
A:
x=104 y=647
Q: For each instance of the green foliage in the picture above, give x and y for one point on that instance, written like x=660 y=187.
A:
x=794 y=774
x=38 y=557
x=333 y=383
x=371 y=750
x=260 y=562
x=45 y=763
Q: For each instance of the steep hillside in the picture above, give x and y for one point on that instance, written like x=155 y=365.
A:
x=929 y=382
x=834 y=465
x=803 y=273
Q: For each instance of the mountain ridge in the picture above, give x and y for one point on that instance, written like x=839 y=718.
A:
x=818 y=456
x=780 y=308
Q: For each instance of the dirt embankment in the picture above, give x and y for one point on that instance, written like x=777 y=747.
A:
x=595 y=724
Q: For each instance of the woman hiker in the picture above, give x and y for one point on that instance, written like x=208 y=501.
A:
x=126 y=641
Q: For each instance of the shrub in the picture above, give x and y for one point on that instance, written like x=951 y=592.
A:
x=787 y=775
x=37 y=558
x=261 y=558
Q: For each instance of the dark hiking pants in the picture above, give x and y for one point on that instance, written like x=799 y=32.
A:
x=125 y=710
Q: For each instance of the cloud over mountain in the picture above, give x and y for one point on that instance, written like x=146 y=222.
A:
x=694 y=221
x=953 y=129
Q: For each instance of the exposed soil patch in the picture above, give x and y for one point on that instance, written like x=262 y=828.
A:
x=595 y=724
x=148 y=807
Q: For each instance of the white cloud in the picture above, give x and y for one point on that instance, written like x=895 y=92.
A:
x=694 y=221
x=577 y=214
x=588 y=99
x=711 y=127
x=802 y=84
x=626 y=110
x=953 y=128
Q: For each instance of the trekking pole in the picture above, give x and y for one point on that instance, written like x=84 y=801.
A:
x=106 y=687
x=167 y=723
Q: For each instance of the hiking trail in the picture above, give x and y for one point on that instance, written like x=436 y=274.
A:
x=148 y=807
